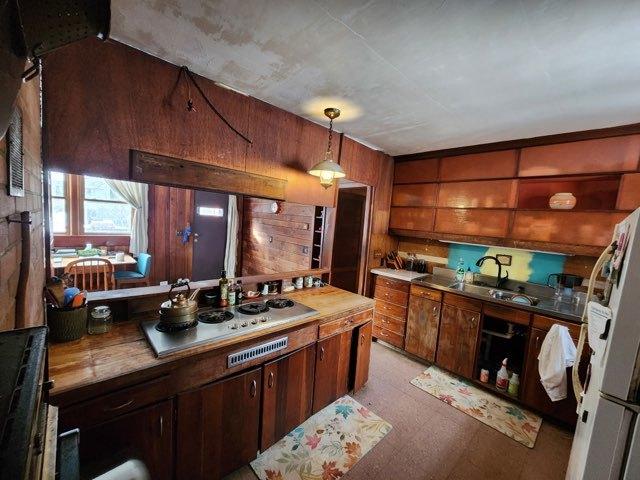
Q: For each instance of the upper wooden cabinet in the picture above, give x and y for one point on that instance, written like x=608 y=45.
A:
x=571 y=228
x=412 y=218
x=629 y=193
x=483 y=223
x=476 y=166
x=416 y=171
x=487 y=194
x=614 y=154
x=414 y=195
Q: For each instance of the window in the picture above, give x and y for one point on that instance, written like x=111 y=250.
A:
x=104 y=211
x=59 y=205
x=85 y=206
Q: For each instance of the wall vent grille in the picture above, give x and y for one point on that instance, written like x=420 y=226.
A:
x=258 y=351
x=15 y=158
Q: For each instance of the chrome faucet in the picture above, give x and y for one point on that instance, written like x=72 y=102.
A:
x=500 y=280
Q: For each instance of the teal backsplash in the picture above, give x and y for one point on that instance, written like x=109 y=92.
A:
x=526 y=266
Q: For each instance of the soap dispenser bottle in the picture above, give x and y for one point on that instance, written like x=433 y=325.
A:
x=460 y=271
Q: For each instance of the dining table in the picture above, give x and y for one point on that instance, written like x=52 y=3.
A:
x=58 y=263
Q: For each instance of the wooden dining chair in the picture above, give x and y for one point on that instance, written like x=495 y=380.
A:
x=91 y=273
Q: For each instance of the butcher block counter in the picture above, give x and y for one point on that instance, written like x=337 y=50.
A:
x=123 y=355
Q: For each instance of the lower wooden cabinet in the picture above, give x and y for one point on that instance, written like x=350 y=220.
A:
x=145 y=434
x=218 y=427
x=362 y=357
x=333 y=358
x=287 y=394
x=459 y=329
x=423 y=322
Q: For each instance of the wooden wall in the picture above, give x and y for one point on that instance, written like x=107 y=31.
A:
x=10 y=236
x=103 y=99
x=500 y=197
x=276 y=242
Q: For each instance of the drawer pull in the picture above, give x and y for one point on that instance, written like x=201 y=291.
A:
x=119 y=407
x=254 y=388
x=435 y=309
x=270 y=381
x=161 y=426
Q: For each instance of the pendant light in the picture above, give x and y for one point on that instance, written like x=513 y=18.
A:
x=327 y=169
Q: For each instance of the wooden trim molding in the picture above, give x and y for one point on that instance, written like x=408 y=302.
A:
x=630 y=129
x=159 y=169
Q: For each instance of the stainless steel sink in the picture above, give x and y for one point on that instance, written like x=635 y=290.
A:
x=469 y=288
x=498 y=294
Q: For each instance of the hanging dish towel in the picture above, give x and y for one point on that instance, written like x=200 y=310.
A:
x=557 y=353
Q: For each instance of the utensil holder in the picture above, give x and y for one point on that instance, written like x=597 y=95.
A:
x=66 y=324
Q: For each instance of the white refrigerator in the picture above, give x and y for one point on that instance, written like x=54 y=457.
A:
x=606 y=444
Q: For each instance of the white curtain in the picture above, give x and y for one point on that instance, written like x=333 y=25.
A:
x=231 y=248
x=136 y=195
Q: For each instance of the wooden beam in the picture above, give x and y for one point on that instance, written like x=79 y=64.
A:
x=161 y=170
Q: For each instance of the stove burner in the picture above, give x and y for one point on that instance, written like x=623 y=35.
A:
x=280 y=303
x=253 y=308
x=164 y=328
x=214 y=316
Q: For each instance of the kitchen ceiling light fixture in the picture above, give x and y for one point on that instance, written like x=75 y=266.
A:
x=328 y=170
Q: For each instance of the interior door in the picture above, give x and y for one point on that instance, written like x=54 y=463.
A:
x=287 y=386
x=209 y=231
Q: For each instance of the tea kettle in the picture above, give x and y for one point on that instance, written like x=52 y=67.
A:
x=181 y=310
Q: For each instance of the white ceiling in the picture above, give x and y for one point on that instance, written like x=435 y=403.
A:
x=425 y=74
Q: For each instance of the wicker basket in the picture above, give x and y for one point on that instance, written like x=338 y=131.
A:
x=66 y=324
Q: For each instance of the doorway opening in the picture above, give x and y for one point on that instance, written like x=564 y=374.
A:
x=348 y=261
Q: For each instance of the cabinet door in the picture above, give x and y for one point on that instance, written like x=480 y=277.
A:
x=218 y=427
x=423 y=322
x=287 y=399
x=332 y=369
x=362 y=334
x=535 y=395
x=145 y=434
x=457 y=340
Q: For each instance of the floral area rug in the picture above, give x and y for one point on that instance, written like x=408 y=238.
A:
x=325 y=446
x=506 y=417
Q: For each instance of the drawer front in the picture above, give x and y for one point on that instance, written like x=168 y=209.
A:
x=392 y=283
x=544 y=323
x=99 y=410
x=424 y=292
x=505 y=313
x=388 y=323
x=346 y=323
x=462 y=302
x=391 y=310
x=392 y=296
x=388 y=336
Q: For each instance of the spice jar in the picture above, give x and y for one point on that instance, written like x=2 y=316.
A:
x=100 y=320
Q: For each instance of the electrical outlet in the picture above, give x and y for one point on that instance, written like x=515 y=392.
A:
x=305 y=250
x=504 y=259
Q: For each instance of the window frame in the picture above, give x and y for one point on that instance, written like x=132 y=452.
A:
x=67 y=205
x=82 y=200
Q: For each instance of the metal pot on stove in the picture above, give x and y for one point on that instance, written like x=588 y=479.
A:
x=180 y=310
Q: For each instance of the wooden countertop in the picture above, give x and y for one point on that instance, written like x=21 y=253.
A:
x=124 y=350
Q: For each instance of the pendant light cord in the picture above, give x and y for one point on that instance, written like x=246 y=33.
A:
x=190 y=76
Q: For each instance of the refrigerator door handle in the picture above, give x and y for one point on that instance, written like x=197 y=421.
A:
x=605 y=334
x=634 y=407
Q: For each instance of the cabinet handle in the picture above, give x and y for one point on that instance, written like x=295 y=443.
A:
x=119 y=407
x=362 y=339
x=537 y=341
x=253 y=389
x=435 y=310
x=321 y=353
x=473 y=320
x=270 y=381
x=161 y=426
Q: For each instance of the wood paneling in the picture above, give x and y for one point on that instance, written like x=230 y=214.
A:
x=629 y=194
x=589 y=156
x=276 y=242
x=217 y=430
x=414 y=195
x=161 y=170
x=361 y=164
x=417 y=171
x=487 y=194
x=423 y=321
x=412 y=218
x=287 y=398
x=332 y=369
x=501 y=164
x=577 y=228
x=482 y=223
x=170 y=210
x=592 y=193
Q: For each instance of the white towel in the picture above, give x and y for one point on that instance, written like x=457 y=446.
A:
x=557 y=353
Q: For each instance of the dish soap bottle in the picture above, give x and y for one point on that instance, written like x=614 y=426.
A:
x=514 y=383
x=468 y=277
x=460 y=271
x=502 y=379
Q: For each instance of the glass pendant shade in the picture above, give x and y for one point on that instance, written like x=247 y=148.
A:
x=327 y=169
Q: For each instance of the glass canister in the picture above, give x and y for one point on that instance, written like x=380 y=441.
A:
x=100 y=320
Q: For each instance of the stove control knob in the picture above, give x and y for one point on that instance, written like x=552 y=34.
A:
x=254 y=321
x=243 y=324
x=233 y=326
x=263 y=319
